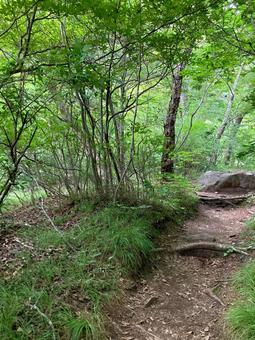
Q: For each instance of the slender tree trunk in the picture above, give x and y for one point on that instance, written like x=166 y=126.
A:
x=108 y=149
x=121 y=120
x=232 y=140
x=167 y=162
x=89 y=140
x=227 y=116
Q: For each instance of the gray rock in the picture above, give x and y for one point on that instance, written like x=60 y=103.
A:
x=216 y=181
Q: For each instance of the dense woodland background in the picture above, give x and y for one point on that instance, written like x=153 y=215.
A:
x=97 y=97
x=116 y=101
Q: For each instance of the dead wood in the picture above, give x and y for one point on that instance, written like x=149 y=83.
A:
x=25 y=245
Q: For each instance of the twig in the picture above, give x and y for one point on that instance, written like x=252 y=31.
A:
x=239 y=251
x=53 y=224
x=23 y=244
x=34 y=307
x=193 y=115
x=48 y=217
x=147 y=332
x=17 y=270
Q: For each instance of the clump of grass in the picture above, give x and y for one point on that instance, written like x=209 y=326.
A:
x=81 y=327
x=251 y=223
x=241 y=316
x=62 y=280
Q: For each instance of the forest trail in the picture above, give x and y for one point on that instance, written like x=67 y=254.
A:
x=184 y=297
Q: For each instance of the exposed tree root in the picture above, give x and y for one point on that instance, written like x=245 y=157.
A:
x=212 y=246
x=210 y=293
x=222 y=200
x=204 y=249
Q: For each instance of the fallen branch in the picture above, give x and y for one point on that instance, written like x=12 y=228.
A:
x=23 y=244
x=33 y=306
x=44 y=211
x=37 y=250
x=41 y=204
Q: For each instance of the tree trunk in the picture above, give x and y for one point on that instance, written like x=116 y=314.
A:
x=227 y=116
x=232 y=140
x=167 y=161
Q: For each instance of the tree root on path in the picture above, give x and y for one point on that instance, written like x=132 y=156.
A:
x=206 y=249
x=212 y=246
x=210 y=293
x=221 y=199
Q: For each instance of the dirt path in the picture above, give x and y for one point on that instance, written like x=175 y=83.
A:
x=185 y=297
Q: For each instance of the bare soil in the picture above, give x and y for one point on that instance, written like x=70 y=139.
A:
x=185 y=297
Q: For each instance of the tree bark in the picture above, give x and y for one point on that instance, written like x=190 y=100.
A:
x=167 y=161
x=227 y=116
x=229 y=150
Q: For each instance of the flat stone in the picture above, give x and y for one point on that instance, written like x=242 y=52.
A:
x=216 y=181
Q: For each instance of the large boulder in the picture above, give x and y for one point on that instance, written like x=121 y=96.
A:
x=216 y=181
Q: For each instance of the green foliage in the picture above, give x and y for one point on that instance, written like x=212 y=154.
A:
x=172 y=197
x=85 y=86
x=241 y=316
x=81 y=327
x=20 y=197
x=96 y=91
x=251 y=223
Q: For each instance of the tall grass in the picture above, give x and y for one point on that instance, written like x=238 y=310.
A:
x=70 y=275
x=251 y=223
x=71 y=272
x=241 y=316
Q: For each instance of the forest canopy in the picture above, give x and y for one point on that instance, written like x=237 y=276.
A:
x=109 y=112
x=101 y=97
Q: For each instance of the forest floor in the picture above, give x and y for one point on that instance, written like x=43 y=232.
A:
x=185 y=297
